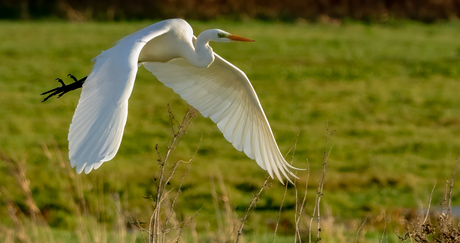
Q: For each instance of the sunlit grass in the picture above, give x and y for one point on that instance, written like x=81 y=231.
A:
x=390 y=92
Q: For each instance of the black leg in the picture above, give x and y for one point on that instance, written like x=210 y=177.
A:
x=60 y=81
x=73 y=77
x=60 y=91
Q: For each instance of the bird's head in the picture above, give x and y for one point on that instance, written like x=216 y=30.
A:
x=223 y=36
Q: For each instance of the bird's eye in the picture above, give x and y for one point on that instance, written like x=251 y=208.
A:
x=221 y=35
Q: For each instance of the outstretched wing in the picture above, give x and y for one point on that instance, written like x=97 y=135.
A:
x=100 y=118
x=224 y=93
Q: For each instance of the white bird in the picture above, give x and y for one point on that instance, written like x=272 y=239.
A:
x=188 y=65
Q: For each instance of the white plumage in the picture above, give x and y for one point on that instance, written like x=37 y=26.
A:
x=187 y=65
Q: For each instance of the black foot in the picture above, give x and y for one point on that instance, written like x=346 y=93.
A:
x=60 y=91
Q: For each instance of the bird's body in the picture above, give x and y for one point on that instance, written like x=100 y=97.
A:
x=176 y=42
x=186 y=64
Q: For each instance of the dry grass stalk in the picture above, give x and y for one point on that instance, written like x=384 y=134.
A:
x=319 y=193
x=226 y=221
x=359 y=229
x=119 y=221
x=384 y=229
x=220 y=225
x=446 y=229
x=231 y=217
x=7 y=235
x=293 y=148
x=300 y=208
x=281 y=207
x=448 y=197
x=18 y=170
x=13 y=214
x=75 y=187
x=72 y=185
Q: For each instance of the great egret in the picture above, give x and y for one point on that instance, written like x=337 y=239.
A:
x=188 y=65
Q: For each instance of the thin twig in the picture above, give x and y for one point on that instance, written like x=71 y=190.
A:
x=181 y=225
x=251 y=206
x=154 y=225
x=384 y=228
x=319 y=194
x=220 y=227
x=134 y=222
x=359 y=229
x=281 y=207
x=299 y=213
x=173 y=205
x=182 y=161
x=452 y=180
x=293 y=148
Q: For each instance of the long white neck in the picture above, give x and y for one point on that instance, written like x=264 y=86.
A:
x=203 y=56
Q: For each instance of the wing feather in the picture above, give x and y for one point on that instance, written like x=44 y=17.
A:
x=99 y=120
x=224 y=93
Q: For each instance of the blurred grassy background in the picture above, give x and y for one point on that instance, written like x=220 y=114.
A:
x=389 y=90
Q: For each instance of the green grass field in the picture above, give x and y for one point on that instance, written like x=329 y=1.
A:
x=390 y=92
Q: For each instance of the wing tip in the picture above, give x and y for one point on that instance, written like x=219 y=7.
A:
x=282 y=166
x=79 y=166
x=86 y=167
